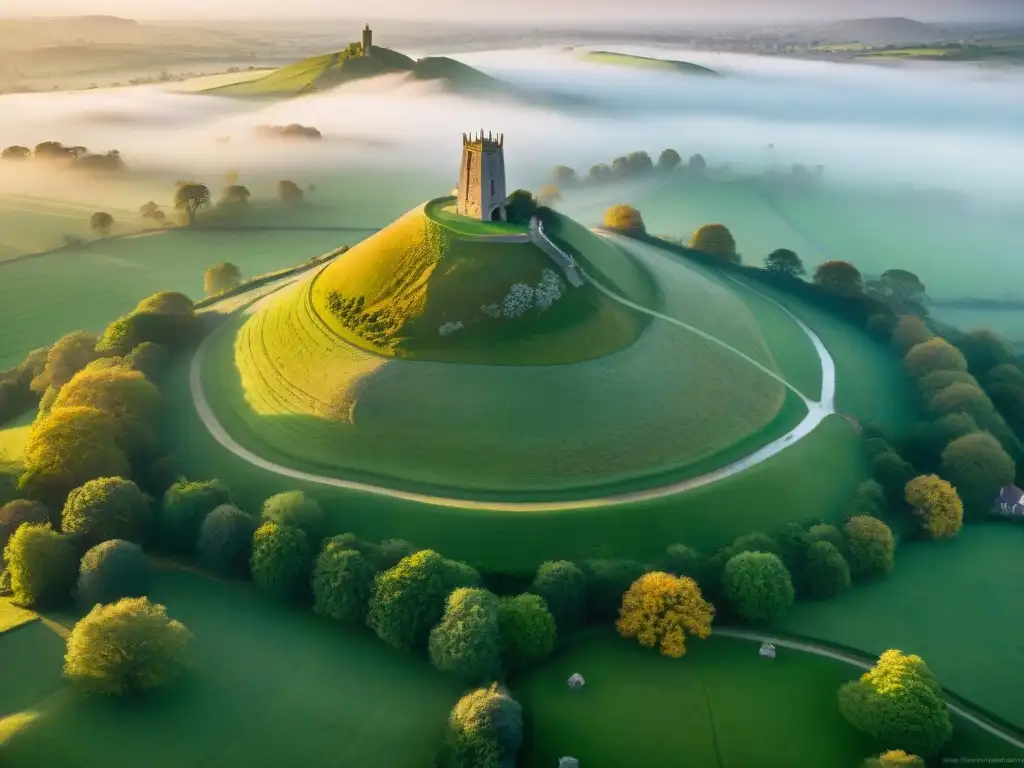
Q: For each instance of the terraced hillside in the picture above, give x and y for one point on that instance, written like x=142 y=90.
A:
x=646 y=62
x=289 y=382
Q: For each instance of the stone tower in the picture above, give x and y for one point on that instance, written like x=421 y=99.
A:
x=367 y=40
x=482 y=177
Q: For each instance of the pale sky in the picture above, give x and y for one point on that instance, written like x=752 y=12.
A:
x=523 y=11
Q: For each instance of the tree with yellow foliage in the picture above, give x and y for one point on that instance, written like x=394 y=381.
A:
x=937 y=504
x=624 y=219
x=662 y=609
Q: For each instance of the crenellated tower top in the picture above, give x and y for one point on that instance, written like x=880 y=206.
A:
x=480 y=141
x=481 y=193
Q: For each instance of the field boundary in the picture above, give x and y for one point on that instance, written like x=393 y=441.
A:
x=817 y=413
x=957 y=704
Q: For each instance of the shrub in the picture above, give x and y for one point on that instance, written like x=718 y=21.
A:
x=467 y=640
x=110 y=571
x=342 y=583
x=528 y=631
x=221 y=277
x=794 y=545
x=681 y=560
x=409 y=599
x=669 y=160
x=128 y=396
x=937 y=505
x=931 y=356
x=485 y=730
x=758 y=586
x=978 y=467
x=127 y=647
x=67 y=448
x=16 y=513
x=625 y=219
x=296 y=509
x=964 y=398
x=149 y=359
x=166 y=302
x=931 y=384
x=70 y=354
x=898 y=702
x=367 y=549
x=225 y=541
x=826 y=572
x=909 y=332
x=170 y=330
x=661 y=610
x=42 y=565
x=892 y=472
x=280 y=561
x=185 y=507
x=564 y=588
x=753 y=542
x=716 y=240
x=894 y=758
x=984 y=350
x=520 y=207
x=829 y=533
x=107 y=508
x=607 y=582
x=870 y=546
x=784 y=262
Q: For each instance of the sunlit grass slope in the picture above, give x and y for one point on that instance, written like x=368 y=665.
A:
x=271 y=686
x=289 y=387
x=645 y=62
x=422 y=272
x=956 y=603
x=319 y=73
x=720 y=705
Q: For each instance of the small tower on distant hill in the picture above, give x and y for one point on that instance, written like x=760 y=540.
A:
x=482 y=177
x=367 y=41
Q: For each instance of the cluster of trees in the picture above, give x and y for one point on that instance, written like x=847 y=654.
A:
x=192 y=197
x=75 y=157
x=293 y=131
x=633 y=165
x=16 y=393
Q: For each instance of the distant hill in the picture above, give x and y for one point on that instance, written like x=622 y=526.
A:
x=645 y=62
x=895 y=29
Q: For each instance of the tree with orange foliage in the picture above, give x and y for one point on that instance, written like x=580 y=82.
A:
x=661 y=609
x=839 y=276
x=625 y=219
x=937 y=504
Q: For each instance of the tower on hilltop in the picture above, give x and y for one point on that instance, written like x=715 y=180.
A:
x=482 y=177
x=367 y=40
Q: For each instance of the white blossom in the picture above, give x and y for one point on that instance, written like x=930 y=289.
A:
x=518 y=301
x=450 y=327
x=548 y=291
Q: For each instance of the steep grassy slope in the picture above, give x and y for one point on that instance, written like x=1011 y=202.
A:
x=645 y=62
x=320 y=73
x=393 y=293
x=290 y=388
x=720 y=705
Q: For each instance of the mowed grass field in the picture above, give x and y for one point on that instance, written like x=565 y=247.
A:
x=271 y=686
x=12 y=616
x=955 y=602
x=13 y=437
x=670 y=400
x=720 y=705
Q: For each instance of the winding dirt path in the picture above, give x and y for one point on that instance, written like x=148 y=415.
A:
x=816 y=413
x=863 y=662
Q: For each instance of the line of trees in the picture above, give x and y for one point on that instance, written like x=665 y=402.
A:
x=631 y=166
x=76 y=157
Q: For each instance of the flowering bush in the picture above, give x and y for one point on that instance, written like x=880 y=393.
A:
x=548 y=290
x=518 y=301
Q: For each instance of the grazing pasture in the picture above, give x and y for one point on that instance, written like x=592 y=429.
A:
x=271 y=685
x=955 y=602
x=721 y=704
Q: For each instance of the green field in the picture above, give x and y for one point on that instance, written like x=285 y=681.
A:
x=13 y=437
x=954 y=602
x=271 y=686
x=645 y=62
x=442 y=211
x=720 y=705
x=12 y=616
x=330 y=406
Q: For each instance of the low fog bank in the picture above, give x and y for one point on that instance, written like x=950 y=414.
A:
x=943 y=126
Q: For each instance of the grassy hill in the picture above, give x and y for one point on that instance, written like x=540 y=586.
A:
x=644 y=62
x=320 y=73
x=587 y=393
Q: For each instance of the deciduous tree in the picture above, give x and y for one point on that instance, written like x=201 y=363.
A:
x=870 y=546
x=485 y=730
x=191 y=196
x=825 y=571
x=669 y=160
x=607 y=582
x=758 y=586
x=224 y=544
x=894 y=758
x=984 y=350
x=281 y=560
x=101 y=222
x=840 y=277
x=185 y=507
x=342 y=582
x=717 y=240
x=528 y=631
x=564 y=588
x=931 y=356
x=898 y=702
x=110 y=571
x=625 y=219
x=126 y=395
x=70 y=354
x=466 y=642
x=221 y=277
x=296 y=509
x=785 y=262
x=107 y=508
x=42 y=565
x=662 y=610
x=937 y=505
x=978 y=467
x=909 y=332
x=126 y=647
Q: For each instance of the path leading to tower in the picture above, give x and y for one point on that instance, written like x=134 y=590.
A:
x=817 y=411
